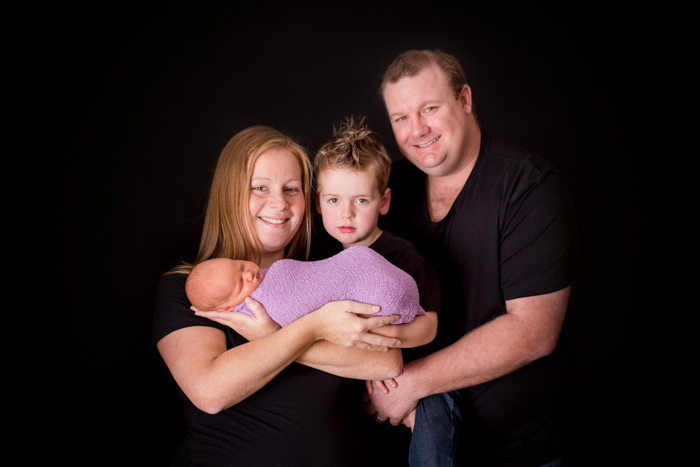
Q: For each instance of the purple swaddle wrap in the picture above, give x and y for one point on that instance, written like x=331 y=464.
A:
x=292 y=289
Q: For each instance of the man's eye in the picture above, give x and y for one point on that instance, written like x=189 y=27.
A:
x=401 y=119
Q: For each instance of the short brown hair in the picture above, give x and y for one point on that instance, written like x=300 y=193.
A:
x=353 y=147
x=412 y=62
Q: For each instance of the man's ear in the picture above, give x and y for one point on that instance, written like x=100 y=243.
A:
x=465 y=99
x=385 y=202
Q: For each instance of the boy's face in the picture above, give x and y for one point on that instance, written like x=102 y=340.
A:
x=350 y=203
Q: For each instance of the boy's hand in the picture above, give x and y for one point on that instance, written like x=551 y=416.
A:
x=381 y=385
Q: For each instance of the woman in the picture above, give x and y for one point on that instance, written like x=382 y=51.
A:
x=254 y=395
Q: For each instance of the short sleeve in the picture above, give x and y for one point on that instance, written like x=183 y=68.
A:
x=539 y=244
x=172 y=308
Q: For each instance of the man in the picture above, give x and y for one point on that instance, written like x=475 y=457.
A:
x=497 y=224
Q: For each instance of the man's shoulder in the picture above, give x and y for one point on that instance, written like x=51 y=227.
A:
x=499 y=152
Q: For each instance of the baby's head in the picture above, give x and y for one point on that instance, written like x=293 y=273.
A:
x=221 y=283
x=351 y=175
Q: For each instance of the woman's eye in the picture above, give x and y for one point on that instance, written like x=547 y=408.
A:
x=401 y=119
x=332 y=200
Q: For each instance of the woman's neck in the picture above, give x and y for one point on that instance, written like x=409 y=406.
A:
x=267 y=260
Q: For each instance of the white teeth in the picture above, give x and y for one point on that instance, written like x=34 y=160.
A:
x=428 y=143
x=274 y=221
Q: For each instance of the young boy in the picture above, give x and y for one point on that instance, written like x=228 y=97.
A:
x=351 y=174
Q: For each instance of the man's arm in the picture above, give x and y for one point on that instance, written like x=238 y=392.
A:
x=528 y=331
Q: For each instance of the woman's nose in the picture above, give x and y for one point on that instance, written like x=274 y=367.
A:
x=278 y=200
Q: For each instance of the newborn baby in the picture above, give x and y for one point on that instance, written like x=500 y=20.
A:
x=290 y=289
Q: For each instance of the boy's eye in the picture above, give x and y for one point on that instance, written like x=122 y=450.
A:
x=363 y=201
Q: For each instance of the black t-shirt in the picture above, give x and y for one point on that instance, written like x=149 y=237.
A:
x=302 y=417
x=392 y=450
x=510 y=233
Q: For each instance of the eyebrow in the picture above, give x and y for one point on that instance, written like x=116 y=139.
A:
x=352 y=196
x=420 y=106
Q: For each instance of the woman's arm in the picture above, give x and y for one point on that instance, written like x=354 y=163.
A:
x=350 y=362
x=420 y=331
x=360 y=361
x=215 y=378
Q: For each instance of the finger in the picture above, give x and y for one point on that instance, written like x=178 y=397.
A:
x=256 y=308
x=377 y=321
x=379 y=342
x=370 y=409
x=361 y=308
x=392 y=382
x=368 y=385
x=382 y=387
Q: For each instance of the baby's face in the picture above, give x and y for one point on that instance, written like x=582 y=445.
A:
x=243 y=278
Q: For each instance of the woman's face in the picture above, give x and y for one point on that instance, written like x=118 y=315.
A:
x=276 y=202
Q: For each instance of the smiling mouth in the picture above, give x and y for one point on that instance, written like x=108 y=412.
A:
x=273 y=221
x=428 y=143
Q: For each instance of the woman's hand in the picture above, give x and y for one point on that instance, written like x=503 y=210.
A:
x=251 y=328
x=338 y=322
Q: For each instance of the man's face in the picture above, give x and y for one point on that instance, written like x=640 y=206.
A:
x=430 y=125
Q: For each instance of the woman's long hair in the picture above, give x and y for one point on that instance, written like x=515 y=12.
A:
x=228 y=227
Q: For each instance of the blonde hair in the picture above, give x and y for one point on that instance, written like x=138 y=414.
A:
x=228 y=227
x=412 y=62
x=353 y=147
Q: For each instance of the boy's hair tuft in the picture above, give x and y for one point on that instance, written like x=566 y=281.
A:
x=353 y=146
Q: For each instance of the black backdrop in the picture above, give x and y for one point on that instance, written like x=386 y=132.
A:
x=145 y=98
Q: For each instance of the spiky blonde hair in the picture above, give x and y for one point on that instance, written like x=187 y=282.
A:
x=353 y=146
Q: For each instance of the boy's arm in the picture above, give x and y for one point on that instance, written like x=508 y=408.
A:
x=420 y=331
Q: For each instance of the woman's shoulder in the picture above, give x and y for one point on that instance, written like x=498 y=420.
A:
x=172 y=308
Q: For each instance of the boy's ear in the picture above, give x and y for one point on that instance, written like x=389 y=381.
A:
x=385 y=202
x=317 y=202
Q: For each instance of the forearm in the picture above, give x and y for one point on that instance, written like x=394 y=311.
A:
x=527 y=332
x=215 y=378
x=351 y=362
x=418 y=332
